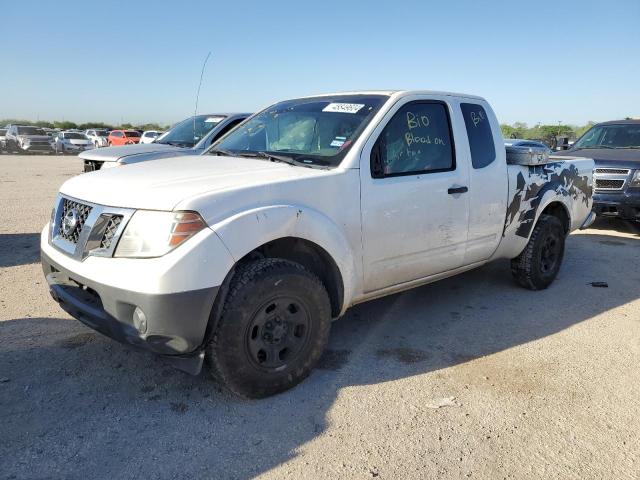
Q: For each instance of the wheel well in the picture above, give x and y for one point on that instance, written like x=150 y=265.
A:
x=558 y=210
x=310 y=255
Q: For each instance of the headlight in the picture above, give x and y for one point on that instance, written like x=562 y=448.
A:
x=153 y=234
x=635 y=180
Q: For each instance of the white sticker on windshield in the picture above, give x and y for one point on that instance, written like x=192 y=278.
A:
x=338 y=142
x=343 y=107
x=214 y=119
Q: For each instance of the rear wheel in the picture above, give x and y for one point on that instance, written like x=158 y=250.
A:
x=273 y=328
x=538 y=264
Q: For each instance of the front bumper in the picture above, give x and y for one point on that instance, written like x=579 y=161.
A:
x=621 y=204
x=172 y=324
x=78 y=148
x=36 y=148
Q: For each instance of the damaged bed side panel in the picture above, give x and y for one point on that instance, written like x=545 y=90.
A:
x=532 y=188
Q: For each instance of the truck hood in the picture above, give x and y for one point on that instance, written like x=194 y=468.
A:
x=113 y=154
x=610 y=157
x=163 y=184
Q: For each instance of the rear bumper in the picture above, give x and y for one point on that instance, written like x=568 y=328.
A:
x=171 y=324
x=624 y=204
x=588 y=221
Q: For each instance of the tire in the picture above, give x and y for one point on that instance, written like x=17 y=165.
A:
x=538 y=264
x=272 y=329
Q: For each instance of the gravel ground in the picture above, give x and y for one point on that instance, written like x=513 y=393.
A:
x=468 y=377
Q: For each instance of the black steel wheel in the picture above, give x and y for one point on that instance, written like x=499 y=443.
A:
x=278 y=333
x=272 y=329
x=538 y=264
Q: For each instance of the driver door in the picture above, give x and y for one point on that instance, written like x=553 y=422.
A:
x=415 y=209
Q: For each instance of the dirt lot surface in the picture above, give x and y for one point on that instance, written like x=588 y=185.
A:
x=469 y=377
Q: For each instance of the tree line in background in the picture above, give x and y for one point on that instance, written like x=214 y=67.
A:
x=545 y=133
x=66 y=125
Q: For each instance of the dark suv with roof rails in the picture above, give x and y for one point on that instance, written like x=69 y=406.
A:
x=615 y=147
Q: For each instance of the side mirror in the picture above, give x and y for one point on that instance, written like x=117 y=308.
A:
x=377 y=168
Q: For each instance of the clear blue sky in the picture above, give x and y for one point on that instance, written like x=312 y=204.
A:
x=138 y=61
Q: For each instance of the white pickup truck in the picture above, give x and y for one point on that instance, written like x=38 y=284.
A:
x=245 y=254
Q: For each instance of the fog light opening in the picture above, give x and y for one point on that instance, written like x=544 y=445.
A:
x=140 y=320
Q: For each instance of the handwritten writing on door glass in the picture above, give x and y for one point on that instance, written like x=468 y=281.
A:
x=418 y=130
x=417 y=139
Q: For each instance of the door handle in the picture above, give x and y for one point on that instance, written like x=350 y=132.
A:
x=454 y=190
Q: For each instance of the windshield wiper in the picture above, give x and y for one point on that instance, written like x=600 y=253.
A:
x=177 y=144
x=279 y=158
x=272 y=157
x=221 y=152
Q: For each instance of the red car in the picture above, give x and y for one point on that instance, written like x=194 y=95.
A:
x=123 y=137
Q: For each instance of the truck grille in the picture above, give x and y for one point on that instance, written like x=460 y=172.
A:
x=606 y=184
x=110 y=231
x=80 y=229
x=82 y=212
x=613 y=171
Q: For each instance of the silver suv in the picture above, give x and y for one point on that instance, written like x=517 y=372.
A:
x=27 y=139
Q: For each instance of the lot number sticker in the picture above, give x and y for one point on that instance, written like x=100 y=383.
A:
x=343 y=107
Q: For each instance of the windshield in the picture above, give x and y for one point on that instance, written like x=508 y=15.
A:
x=317 y=130
x=611 y=136
x=30 y=131
x=131 y=134
x=75 y=136
x=102 y=133
x=187 y=133
x=3 y=132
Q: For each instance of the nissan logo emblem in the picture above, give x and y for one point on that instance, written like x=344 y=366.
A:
x=70 y=221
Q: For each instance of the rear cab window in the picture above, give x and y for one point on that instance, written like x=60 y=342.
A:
x=479 y=133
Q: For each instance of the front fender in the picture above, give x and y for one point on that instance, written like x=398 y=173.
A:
x=245 y=231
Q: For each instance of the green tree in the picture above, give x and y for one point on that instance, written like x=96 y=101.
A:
x=64 y=125
x=583 y=129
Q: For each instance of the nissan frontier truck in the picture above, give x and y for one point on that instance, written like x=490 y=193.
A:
x=240 y=258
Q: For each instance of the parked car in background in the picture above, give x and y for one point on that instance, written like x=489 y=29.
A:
x=123 y=137
x=149 y=136
x=518 y=142
x=28 y=139
x=615 y=147
x=182 y=139
x=98 y=137
x=3 y=139
x=71 y=142
x=311 y=206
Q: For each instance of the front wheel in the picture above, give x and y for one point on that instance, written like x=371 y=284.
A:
x=273 y=328
x=538 y=264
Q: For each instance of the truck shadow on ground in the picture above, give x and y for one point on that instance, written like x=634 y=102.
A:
x=80 y=405
x=19 y=249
